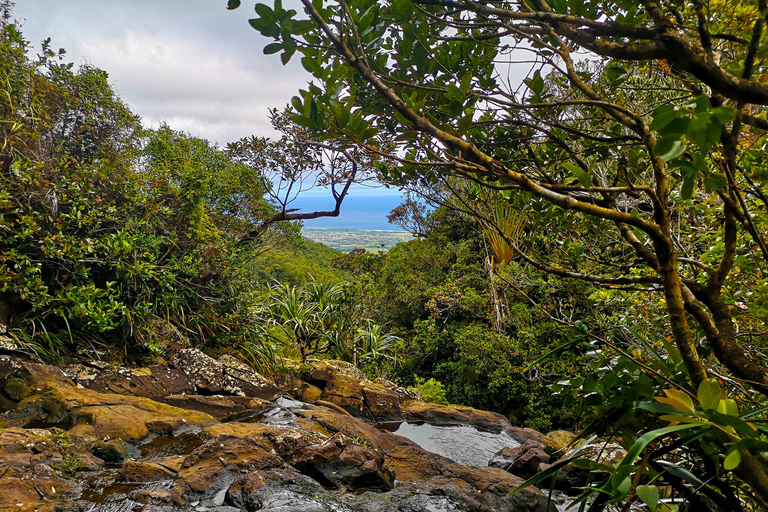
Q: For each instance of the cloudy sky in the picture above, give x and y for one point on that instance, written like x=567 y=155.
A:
x=190 y=63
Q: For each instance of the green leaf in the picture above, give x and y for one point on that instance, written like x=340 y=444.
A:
x=662 y=116
x=649 y=494
x=233 y=4
x=709 y=394
x=536 y=84
x=285 y=57
x=723 y=114
x=728 y=407
x=732 y=461
x=715 y=182
x=273 y=48
x=686 y=191
x=669 y=148
x=585 y=179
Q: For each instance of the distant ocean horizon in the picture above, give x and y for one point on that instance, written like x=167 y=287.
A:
x=364 y=211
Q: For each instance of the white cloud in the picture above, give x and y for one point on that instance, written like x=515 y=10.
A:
x=190 y=63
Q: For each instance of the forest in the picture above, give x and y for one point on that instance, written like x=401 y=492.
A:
x=589 y=246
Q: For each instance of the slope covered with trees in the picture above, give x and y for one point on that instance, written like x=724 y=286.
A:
x=636 y=143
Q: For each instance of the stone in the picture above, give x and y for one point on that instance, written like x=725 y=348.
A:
x=222 y=458
x=112 y=450
x=523 y=460
x=153 y=382
x=138 y=472
x=227 y=376
x=456 y=415
x=342 y=462
x=310 y=393
x=346 y=392
x=384 y=403
x=559 y=440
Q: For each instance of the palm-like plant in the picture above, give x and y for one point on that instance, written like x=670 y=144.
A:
x=308 y=315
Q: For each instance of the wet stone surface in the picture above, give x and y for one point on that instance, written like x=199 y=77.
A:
x=102 y=448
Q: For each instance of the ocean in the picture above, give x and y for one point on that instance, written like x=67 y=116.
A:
x=363 y=211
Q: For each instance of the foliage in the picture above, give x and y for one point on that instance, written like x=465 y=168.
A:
x=636 y=143
x=429 y=390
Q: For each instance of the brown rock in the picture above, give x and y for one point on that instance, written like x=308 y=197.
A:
x=522 y=460
x=456 y=415
x=346 y=392
x=384 y=403
x=323 y=371
x=225 y=455
x=144 y=472
x=153 y=382
x=216 y=406
x=342 y=462
x=310 y=393
x=227 y=376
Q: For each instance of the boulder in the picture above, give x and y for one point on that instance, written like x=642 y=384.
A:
x=153 y=382
x=523 y=460
x=215 y=464
x=384 y=402
x=456 y=415
x=227 y=376
x=342 y=462
x=139 y=472
x=346 y=392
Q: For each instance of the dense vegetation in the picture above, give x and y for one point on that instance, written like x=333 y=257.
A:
x=594 y=252
x=635 y=150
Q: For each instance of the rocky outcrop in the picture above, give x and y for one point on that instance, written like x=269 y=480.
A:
x=99 y=435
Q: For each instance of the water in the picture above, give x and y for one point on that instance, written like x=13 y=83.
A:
x=463 y=444
x=365 y=211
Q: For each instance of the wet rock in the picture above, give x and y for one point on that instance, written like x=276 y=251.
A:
x=133 y=471
x=224 y=457
x=522 y=460
x=227 y=376
x=342 y=462
x=384 y=403
x=281 y=491
x=153 y=382
x=456 y=415
x=346 y=392
x=112 y=450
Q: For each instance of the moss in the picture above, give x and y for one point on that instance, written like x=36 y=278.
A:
x=18 y=389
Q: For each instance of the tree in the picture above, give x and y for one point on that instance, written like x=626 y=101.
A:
x=638 y=137
x=298 y=162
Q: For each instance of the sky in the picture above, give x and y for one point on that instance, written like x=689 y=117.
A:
x=190 y=63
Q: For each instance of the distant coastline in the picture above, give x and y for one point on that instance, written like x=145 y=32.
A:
x=348 y=239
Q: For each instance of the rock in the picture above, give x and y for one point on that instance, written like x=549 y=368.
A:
x=456 y=415
x=346 y=392
x=522 y=435
x=522 y=460
x=116 y=416
x=323 y=371
x=310 y=393
x=218 y=407
x=281 y=491
x=384 y=403
x=134 y=472
x=559 y=440
x=342 y=462
x=227 y=376
x=219 y=460
x=153 y=382
x=112 y=450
